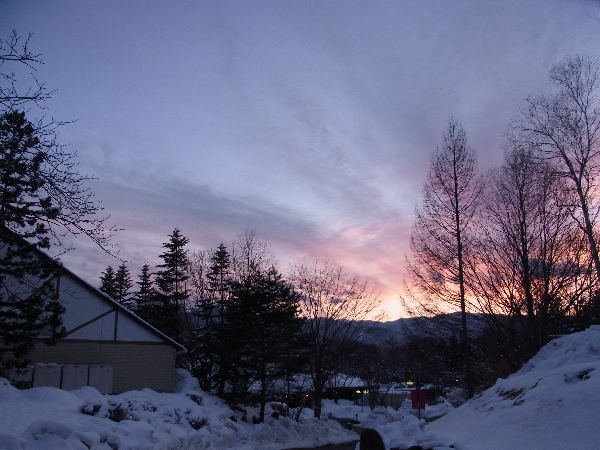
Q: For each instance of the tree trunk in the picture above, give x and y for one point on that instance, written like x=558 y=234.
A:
x=318 y=388
x=461 y=284
x=263 y=390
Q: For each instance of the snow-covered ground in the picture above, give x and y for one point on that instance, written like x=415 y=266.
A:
x=551 y=403
x=49 y=418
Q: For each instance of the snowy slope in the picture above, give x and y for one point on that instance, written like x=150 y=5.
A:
x=552 y=403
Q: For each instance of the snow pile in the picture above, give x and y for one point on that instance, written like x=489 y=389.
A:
x=436 y=411
x=44 y=418
x=401 y=428
x=398 y=428
x=381 y=414
x=413 y=432
x=551 y=403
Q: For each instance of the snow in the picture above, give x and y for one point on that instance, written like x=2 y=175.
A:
x=551 y=403
x=50 y=418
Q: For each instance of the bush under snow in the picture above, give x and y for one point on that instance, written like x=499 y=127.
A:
x=49 y=418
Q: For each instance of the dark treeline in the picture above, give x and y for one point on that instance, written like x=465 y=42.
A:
x=516 y=244
x=250 y=332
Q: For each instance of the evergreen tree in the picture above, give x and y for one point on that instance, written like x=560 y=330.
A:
x=145 y=294
x=41 y=195
x=202 y=343
x=123 y=284
x=172 y=292
x=28 y=303
x=220 y=274
x=259 y=324
x=171 y=280
x=108 y=283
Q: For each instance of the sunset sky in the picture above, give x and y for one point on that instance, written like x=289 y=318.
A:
x=311 y=122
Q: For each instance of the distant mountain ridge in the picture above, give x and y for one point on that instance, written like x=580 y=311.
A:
x=441 y=326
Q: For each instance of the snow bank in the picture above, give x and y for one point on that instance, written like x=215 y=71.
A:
x=568 y=350
x=411 y=431
x=551 y=403
x=398 y=428
x=49 y=418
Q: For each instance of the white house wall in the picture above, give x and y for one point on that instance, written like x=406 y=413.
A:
x=82 y=305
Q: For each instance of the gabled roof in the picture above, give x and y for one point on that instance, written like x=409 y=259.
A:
x=101 y=295
x=120 y=307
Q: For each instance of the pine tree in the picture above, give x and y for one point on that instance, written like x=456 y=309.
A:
x=220 y=274
x=202 y=343
x=171 y=280
x=172 y=292
x=145 y=294
x=259 y=324
x=41 y=195
x=122 y=285
x=28 y=303
x=108 y=283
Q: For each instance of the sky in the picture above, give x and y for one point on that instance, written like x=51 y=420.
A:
x=310 y=122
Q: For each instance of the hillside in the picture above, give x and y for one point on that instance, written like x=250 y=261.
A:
x=551 y=403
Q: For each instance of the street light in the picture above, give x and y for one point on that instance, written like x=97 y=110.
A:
x=362 y=398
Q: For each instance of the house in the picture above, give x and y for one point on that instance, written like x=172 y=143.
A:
x=100 y=332
x=106 y=345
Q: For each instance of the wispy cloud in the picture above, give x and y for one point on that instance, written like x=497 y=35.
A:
x=310 y=122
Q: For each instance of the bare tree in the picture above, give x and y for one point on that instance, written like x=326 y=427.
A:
x=199 y=267
x=16 y=49
x=565 y=127
x=529 y=269
x=333 y=304
x=77 y=212
x=250 y=254
x=441 y=235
